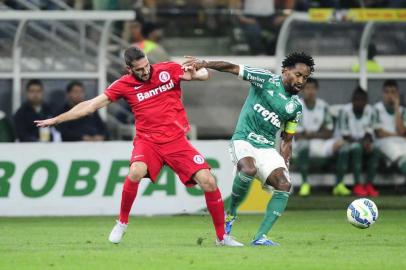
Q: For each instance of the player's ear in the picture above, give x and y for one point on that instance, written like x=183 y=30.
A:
x=128 y=68
x=284 y=70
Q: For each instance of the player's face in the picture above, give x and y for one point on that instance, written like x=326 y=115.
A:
x=294 y=78
x=389 y=94
x=310 y=92
x=141 y=69
x=358 y=104
x=35 y=95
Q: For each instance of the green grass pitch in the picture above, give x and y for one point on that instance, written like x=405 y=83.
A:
x=310 y=239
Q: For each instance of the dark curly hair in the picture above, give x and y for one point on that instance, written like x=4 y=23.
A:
x=298 y=57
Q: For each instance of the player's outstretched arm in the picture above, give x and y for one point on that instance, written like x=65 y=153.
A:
x=221 y=66
x=81 y=110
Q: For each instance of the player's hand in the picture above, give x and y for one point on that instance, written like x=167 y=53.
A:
x=193 y=63
x=46 y=123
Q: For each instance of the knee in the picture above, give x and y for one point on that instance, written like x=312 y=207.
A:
x=136 y=173
x=280 y=180
x=208 y=183
x=248 y=170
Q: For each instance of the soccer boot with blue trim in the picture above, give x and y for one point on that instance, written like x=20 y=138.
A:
x=229 y=220
x=263 y=241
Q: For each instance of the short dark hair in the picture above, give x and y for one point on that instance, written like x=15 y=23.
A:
x=33 y=82
x=72 y=84
x=359 y=92
x=313 y=80
x=298 y=57
x=390 y=83
x=131 y=54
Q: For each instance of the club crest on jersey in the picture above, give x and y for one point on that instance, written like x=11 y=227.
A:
x=198 y=159
x=290 y=107
x=164 y=76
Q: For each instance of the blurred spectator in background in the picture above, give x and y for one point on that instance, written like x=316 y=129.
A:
x=6 y=129
x=390 y=126
x=34 y=108
x=89 y=128
x=151 y=34
x=372 y=65
x=261 y=23
x=355 y=126
x=315 y=139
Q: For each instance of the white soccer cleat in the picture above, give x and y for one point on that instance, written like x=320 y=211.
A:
x=117 y=233
x=229 y=241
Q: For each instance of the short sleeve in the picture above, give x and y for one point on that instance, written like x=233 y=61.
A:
x=328 y=122
x=403 y=115
x=291 y=125
x=175 y=69
x=115 y=90
x=260 y=78
x=343 y=123
x=376 y=119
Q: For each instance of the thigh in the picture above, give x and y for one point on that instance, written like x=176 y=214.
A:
x=183 y=159
x=320 y=148
x=147 y=153
x=393 y=148
x=240 y=149
x=268 y=160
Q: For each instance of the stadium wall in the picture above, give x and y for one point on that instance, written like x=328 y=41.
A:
x=82 y=179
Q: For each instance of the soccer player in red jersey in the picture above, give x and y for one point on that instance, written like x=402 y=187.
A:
x=154 y=94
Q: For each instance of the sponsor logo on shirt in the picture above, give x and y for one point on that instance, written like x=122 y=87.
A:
x=259 y=138
x=271 y=117
x=164 y=76
x=255 y=80
x=156 y=91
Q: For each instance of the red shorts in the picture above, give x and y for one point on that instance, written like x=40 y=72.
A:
x=179 y=155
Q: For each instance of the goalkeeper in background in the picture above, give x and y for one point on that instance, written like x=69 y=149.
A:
x=272 y=105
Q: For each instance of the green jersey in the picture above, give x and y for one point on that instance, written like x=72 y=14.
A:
x=267 y=108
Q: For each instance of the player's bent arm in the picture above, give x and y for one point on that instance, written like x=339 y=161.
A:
x=82 y=109
x=286 y=146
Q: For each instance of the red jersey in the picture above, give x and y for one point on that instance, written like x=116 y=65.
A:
x=156 y=104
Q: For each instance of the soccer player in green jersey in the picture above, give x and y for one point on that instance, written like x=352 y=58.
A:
x=272 y=105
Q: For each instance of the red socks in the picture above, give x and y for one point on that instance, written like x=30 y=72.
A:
x=129 y=193
x=215 y=206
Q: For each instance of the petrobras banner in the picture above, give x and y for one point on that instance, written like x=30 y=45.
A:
x=48 y=179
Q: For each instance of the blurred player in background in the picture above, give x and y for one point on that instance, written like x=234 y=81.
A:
x=315 y=139
x=272 y=105
x=390 y=126
x=154 y=94
x=355 y=126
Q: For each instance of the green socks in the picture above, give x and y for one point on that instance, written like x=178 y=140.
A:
x=342 y=163
x=373 y=164
x=241 y=186
x=275 y=208
x=303 y=162
x=356 y=155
